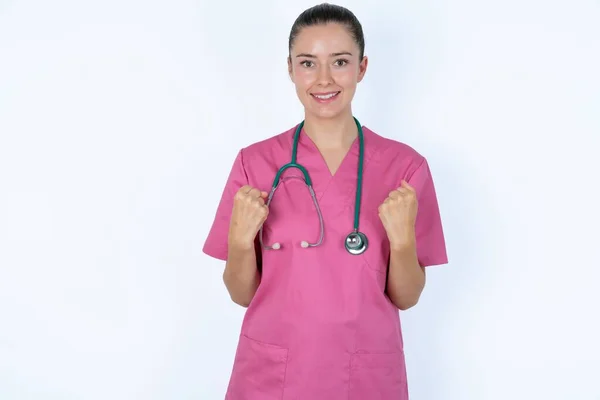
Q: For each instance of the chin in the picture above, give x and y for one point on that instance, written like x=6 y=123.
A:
x=326 y=113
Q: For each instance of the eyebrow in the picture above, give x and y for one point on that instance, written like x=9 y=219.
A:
x=343 y=53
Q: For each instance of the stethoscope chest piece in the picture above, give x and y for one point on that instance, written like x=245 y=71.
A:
x=356 y=243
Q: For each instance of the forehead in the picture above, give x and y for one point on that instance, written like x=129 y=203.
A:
x=324 y=39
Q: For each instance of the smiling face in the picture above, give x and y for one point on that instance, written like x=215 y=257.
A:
x=325 y=67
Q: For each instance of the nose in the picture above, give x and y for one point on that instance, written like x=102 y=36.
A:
x=325 y=77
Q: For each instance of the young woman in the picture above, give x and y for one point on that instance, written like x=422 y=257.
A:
x=324 y=268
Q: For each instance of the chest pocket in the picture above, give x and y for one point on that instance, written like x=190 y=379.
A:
x=293 y=217
x=376 y=257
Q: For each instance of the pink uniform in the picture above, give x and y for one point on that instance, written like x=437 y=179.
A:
x=320 y=326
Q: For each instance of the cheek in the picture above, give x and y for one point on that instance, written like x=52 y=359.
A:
x=303 y=79
x=347 y=79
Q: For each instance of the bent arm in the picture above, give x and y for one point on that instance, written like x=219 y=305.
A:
x=406 y=277
x=241 y=275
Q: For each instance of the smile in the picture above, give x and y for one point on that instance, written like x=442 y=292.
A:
x=324 y=97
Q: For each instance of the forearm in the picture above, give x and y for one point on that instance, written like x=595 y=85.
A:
x=406 y=278
x=241 y=275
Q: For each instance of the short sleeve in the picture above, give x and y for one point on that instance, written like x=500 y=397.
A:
x=216 y=241
x=431 y=245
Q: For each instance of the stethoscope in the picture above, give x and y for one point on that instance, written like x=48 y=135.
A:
x=356 y=242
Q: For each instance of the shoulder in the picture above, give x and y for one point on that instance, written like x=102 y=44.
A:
x=392 y=152
x=270 y=145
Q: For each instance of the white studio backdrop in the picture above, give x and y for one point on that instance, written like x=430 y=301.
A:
x=119 y=121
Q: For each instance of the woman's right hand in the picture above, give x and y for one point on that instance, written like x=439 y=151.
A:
x=248 y=214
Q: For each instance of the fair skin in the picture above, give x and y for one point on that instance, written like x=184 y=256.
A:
x=324 y=61
x=241 y=274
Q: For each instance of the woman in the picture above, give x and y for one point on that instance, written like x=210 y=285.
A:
x=322 y=320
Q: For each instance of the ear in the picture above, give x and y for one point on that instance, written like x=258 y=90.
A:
x=362 y=68
x=290 y=69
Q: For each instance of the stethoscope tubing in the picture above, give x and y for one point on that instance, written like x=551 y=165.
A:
x=355 y=242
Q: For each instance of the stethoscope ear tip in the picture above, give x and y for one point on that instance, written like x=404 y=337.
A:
x=276 y=246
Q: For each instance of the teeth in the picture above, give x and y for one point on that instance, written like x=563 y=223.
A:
x=325 y=97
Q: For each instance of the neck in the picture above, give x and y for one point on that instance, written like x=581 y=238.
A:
x=331 y=133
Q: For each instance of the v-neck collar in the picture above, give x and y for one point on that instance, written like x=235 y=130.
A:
x=309 y=145
x=323 y=181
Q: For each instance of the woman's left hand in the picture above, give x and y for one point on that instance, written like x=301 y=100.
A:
x=398 y=213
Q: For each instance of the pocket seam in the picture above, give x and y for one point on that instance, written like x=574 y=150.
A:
x=280 y=354
x=376 y=269
x=265 y=344
x=355 y=366
x=283 y=357
x=359 y=354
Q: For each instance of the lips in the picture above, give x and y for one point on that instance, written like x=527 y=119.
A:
x=325 y=97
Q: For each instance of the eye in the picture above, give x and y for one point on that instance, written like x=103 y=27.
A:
x=341 y=62
x=306 y=63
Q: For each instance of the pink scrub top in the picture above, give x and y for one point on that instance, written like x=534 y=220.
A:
x=320 y=326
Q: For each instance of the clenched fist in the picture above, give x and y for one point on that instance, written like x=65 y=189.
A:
x=248 y=214
x=398 y=213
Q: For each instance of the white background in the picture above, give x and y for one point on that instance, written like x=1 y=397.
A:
x=119 y=121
